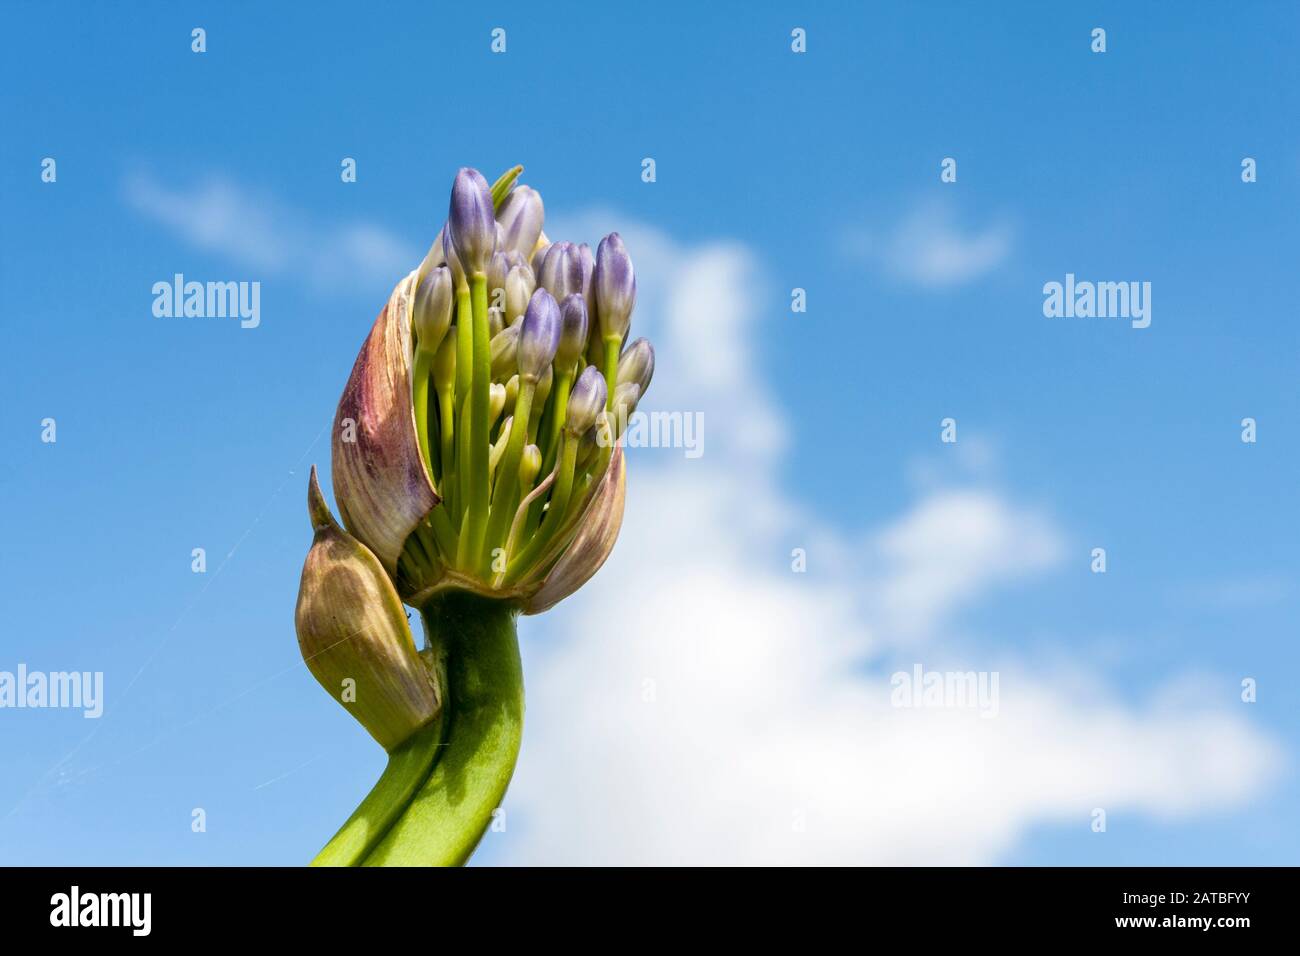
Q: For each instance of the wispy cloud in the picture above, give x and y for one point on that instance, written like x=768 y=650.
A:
x=950 y=548
x=701 y=703
x=258 y=232
x=929 y=248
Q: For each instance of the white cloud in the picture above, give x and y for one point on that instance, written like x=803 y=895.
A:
x=953 y=546
x=700 y=703
x=928 y=248
x=260 y=233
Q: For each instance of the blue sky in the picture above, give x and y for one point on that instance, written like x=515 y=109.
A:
x=775 y=170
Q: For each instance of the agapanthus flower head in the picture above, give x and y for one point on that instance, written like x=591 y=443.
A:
x=467 y=465
x=477 y=473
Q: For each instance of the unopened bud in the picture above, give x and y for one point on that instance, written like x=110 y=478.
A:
x=637 y=364
x=614 y=287
x=353 y=633
x=431 y=311
x=539 y=336
x=521 y=216
x=520 y=285
x=586 y=401
x=473 y=227
x=529 y=465
x=504 y=346
x=573 y=332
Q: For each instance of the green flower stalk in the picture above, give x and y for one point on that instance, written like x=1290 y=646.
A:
x=478 y=479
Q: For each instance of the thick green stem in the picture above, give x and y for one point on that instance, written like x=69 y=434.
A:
x=482 y=727
x=408 y=767
x=460 y=398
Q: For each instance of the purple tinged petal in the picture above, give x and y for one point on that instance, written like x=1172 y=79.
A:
x=586 y=401
x=573 y=332
x=539 y=336
x=561 y=273
x=473 y=227
x=521 y=216
x=381 y=482
x=615 y=287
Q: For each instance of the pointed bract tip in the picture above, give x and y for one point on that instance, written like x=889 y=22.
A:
x=317 y=508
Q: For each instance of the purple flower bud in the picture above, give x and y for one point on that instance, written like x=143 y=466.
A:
x=521 y=216
x=432 y=309
x=586 y=401
x=615 y=287
x=573 y=331
x=637 y=364
x=539 y=336
x=561 y=273
x=473 y=228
